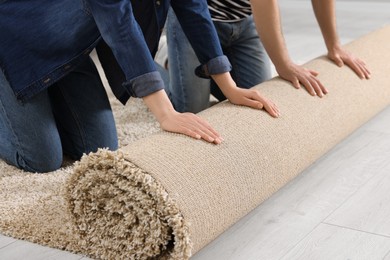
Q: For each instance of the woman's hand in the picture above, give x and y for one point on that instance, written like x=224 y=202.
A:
x=246 y=97
x=341 y=57
x=298 y=75
x=252 y=98
x=191 y=125
x=182 y=123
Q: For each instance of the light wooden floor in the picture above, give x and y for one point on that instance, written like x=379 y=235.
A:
x=338 y=208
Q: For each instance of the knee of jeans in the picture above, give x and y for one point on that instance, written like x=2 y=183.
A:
x=104 y=142
x=42 y=161
x=109 y=142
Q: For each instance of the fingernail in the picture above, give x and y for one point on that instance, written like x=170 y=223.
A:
x=211 y=139
x=197 y=136
x=218 y=141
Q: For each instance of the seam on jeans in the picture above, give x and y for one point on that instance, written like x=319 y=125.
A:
x=184 y=104
x=75 y=117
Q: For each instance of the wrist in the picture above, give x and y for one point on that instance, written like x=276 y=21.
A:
x=160 y=105
x=334 y=47
x=285 y=67
x=225 y=82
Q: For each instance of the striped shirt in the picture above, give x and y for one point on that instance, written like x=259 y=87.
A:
x=229 y=10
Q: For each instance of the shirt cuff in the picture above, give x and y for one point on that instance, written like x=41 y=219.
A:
x=145 y=84
x=214 y=66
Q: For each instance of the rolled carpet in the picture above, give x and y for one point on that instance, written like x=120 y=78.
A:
x=167 y=196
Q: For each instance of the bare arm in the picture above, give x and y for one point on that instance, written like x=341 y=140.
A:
x=267 y=19
x=326 y=17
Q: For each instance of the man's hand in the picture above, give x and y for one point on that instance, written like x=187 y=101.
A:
x=298 y=75
x=341 y=57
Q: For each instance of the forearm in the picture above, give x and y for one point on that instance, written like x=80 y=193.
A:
x=159 y=104
x=267 y=19
x=225 y=82
x=326 y=17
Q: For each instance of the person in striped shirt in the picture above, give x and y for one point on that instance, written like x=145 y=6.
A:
x=243 y=26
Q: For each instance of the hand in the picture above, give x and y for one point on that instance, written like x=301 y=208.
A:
x=252 y=98
x=341 y=57
x=191 y=125
x=246 y=97
x=299 y=75
x=172 y=121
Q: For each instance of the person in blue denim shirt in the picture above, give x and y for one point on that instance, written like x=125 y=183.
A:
x=52 y=100
x=237 y=23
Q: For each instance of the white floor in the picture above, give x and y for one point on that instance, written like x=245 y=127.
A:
x=339 y=207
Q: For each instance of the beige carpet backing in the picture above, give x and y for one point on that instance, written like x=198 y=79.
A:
x=167 y=196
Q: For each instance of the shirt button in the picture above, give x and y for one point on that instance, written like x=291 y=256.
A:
x=158 y=2
x=47 y=80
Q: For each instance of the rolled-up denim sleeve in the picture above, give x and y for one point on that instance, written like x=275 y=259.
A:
x=121 y=32
x=214 y=66
x=195 y=19
x=145 y=84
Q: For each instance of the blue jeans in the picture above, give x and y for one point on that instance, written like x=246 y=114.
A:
x=71 y=117
x=240 y=43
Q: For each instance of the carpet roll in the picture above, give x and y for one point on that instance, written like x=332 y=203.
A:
x=167 y=196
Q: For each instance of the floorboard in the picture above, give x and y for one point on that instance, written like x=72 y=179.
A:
x=330 y=242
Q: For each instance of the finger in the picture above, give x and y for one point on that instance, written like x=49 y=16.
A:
x=361 y=61
x=339 y=62
x=295 y=83
x=269 y=106
x=207 y=135
x=354 y=66
x=316 y=87
x=190 y=133
x=324 y=90
x=196 y=134
x=271 y=109
x=308 y=86
x=206 y=125
x=365 y=70
x=275 y=108
x=253 y=102
x=201 y=127
x=314 y=73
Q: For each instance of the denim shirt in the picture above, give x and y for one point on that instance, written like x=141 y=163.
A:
x=41 y=42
